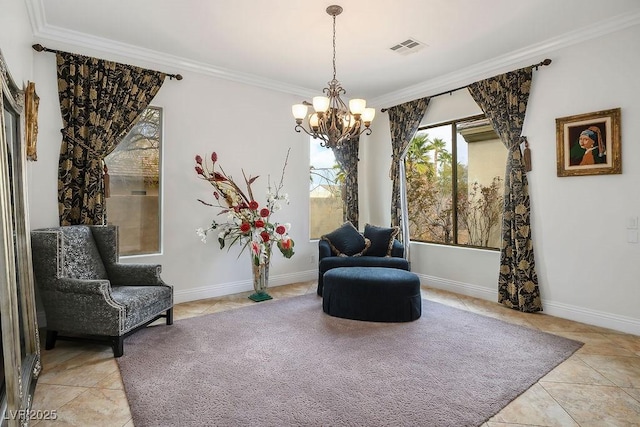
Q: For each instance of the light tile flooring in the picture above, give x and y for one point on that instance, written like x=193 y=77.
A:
x=599 y=385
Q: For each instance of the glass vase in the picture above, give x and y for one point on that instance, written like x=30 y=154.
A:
x=260 y=281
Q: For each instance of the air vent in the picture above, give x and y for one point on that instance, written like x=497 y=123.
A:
x=408 y=46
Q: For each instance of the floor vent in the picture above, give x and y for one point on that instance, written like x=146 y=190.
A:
x=408 y=46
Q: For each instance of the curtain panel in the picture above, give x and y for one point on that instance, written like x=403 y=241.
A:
x=99 y=102
x=347 y=157
x=404 y=120
x=504 y=101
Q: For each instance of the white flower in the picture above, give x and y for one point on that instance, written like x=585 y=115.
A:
x=202 y=234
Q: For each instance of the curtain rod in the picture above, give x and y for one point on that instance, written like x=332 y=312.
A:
x=450 y=91
x=39 y=48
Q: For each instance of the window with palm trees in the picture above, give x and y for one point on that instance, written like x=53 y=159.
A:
x=458 y=205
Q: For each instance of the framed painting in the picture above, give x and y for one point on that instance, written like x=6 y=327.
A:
x=32 y=102
x=589 y=144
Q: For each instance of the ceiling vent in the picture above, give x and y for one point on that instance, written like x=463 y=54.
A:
x=408 y=46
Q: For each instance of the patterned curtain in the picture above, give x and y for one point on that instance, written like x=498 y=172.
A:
x=100 y=102
x=404 y=120
x=347 y=157
x=504 y=101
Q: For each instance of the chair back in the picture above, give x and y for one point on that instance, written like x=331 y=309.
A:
x=79 y=254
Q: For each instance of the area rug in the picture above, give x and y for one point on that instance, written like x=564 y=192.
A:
x=286 y=363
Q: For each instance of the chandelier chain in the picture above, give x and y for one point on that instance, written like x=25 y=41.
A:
x=334 y=47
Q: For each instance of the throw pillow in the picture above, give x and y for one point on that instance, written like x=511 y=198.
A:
x=381 y=240
x=346 y=241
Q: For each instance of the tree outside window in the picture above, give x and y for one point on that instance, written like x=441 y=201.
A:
x=459 y=205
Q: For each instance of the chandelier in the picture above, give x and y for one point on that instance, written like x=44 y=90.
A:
x=332 y=122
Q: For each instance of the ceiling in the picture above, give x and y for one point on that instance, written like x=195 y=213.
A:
x=287 y=44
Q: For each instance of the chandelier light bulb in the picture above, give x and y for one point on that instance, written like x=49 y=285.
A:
x=314 y=121
x=357 y=106
x=368 y=115
x=321 y=104
x=299 y=111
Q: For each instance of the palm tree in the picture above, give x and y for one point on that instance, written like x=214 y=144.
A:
x=417 y=158
x=438 y=146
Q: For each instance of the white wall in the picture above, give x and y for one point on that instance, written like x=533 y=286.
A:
x=15 y=40
x=201 y=114
x=587 y=271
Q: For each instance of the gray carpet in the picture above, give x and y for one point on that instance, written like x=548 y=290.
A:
x=286 y=363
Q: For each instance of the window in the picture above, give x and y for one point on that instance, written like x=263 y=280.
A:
x=325 y=191
x=134 y=201
x=459 y=205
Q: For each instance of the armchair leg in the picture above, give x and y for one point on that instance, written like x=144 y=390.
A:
x=50 y=340
x=170 y=316
x=117 y=343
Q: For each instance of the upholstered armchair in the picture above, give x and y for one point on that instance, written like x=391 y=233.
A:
x=87 y=293
x=347 y=247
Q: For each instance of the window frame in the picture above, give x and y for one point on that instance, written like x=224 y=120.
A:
x=454 y=182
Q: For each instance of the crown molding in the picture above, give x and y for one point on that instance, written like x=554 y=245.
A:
x=51 y=35
x=504 y=63
x=46 y=33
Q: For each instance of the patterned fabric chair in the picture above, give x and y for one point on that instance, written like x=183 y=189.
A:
x=87 y=293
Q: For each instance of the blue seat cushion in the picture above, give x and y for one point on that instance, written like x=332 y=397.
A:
x=375 y=294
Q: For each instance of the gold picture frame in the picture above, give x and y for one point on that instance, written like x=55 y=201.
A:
x=32 y=102
x=589 y=144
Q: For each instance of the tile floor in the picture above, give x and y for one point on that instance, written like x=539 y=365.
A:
x=599 y=385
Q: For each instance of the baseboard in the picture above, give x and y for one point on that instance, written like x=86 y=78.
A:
x=459 y=287
x=602 y=319
x=222 y=289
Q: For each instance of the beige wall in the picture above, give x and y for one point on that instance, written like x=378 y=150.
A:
x=137 y=219
x=487 y=159
x=325 y=216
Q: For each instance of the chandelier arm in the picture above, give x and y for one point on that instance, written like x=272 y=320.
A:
x=298 y=128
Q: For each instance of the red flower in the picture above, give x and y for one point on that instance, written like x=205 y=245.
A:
x=253 y=205
x=214 y=157
x=286 y=244
x=198 y=160
x=245 y=227
x=259 y=223
x=281 y=229
x=199 y=170
x=219 y=177
x=264 y=212
x=265 y=236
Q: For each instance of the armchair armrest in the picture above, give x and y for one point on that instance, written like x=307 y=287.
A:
x=324 y=250
x=82 y=286
x=135 y=274
x=397 y=250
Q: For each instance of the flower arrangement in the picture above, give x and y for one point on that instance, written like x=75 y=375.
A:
x=248 y=223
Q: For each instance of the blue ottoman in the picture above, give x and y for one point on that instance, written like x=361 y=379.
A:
x=377 y=294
